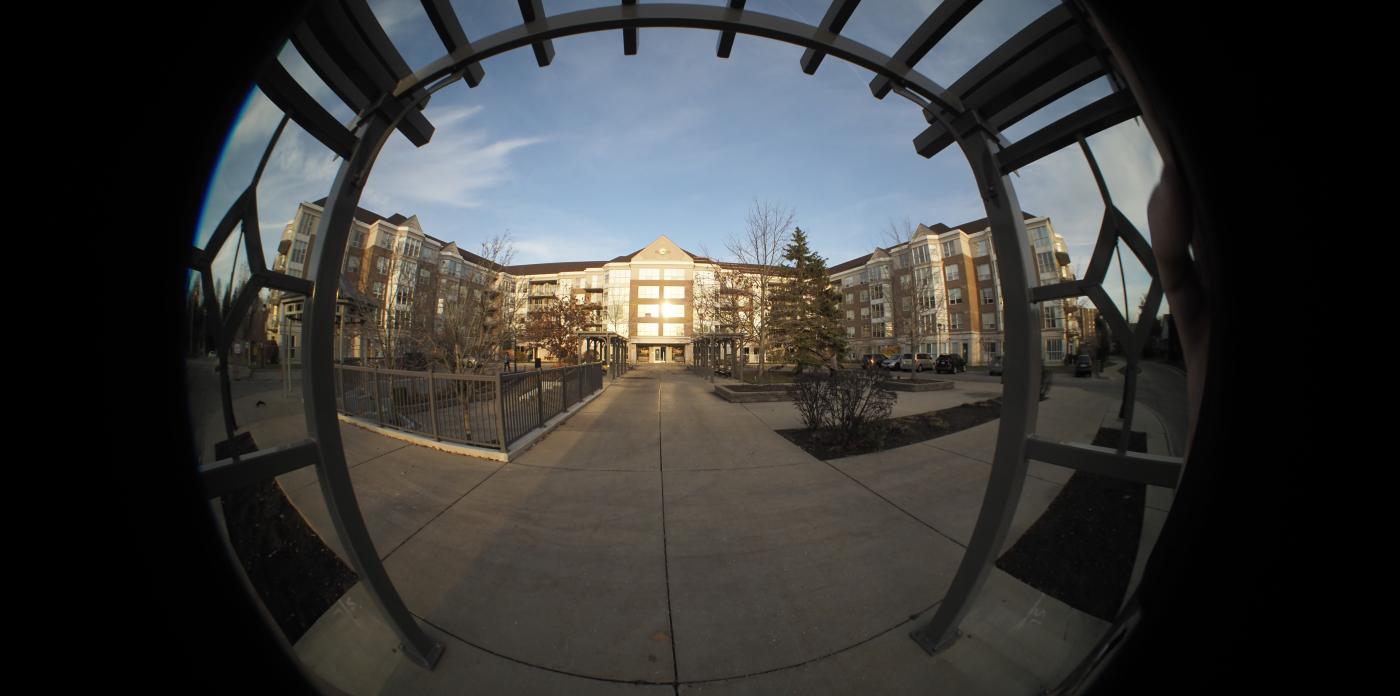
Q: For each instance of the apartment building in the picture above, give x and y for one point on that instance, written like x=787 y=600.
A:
x=935 y=293
x=938 y=293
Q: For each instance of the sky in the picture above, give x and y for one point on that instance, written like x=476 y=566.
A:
x=599 y=153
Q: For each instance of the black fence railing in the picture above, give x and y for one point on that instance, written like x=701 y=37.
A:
x=483 y=410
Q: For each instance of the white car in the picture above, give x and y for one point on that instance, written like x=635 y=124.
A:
x=916 y=362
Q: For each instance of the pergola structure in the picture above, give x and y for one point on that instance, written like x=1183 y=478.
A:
x=715 y=349
x=610 y=348
x=346 y=46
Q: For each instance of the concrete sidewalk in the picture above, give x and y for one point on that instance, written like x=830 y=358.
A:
x=664 y=540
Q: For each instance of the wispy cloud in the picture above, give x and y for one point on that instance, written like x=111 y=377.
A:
x=454 y=169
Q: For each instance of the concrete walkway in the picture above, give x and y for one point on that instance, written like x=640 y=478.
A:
x=663 y=540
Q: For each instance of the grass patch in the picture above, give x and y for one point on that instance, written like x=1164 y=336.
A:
x=895 y=432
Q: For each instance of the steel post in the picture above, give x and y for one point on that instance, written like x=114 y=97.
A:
x=432 y=404
x=501 y=412
x=1021 y=395
x=321 y=422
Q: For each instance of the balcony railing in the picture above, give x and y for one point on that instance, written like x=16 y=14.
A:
x=492 y=411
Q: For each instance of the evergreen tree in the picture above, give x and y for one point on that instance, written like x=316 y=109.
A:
x=806 y=317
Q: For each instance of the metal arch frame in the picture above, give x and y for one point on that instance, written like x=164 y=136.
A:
x=982 y=144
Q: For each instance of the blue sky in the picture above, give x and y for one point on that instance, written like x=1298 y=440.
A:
x=599 y=153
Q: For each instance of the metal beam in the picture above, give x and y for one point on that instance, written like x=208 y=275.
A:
x=282 y=90
x=1100 y=115
x=833 y=21
x=1059 y=291
x=318 y=381
x=629 y=34
x=726 y=38
x=936 y=137
x=937 y=26
x=453 y=36
x=227 y=475
x=1021 y=394
x=1038 y=31
x=346 y=59
x=645 y=16
x=282 y=281
x=1057 y=54
x=1138 y=467
x=531 y=11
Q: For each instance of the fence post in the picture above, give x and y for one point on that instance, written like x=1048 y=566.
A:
x=432 y=404
x=539 y=395
x=501 y=411
x=378 y=400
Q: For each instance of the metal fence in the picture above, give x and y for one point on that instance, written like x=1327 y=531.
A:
x=484 y=410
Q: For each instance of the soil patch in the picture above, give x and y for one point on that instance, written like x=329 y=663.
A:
x=1082 y=549
x=294 y=573
x=896 y=432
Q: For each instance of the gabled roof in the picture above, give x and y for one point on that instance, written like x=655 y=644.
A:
x=557 y=267
x=853 y=263
x=972 y=227
x=369 y=217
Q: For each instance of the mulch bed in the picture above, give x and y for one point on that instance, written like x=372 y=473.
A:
x=1082 y=549
x=294 y=573
x=898 y=432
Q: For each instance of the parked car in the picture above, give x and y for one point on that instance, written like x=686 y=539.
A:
x=1083 y=366
x=724 y=371
x=916 y=362
x=890 y=363
x=950 y=363
x=871 y=360
x=995 y=366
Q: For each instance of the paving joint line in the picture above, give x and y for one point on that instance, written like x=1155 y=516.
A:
x=892 y=504
x=351 y=466
x=665 y=549
x=442 y=512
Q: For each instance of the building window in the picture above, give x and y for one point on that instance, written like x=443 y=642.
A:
x=1046 y=261
x=987 y=297
x=921 y=254
x=865 y=331
x=877 y=311
x=648 y=274
x=880 y=330
x=675 y=292
x=955 y=296
x=673 y=310
x=951 y=248
x=352 y=263
x=990 y=348
x=877 y=292
x=357 y=239
x=675 y=274
x=904 y=281
x=1040 y=235
x=864 y=277
x=957 y=320
x=648 y=292
x=381 y=264
x=981 y=247
x=928 y=300
x=850 y=314
x=903 y=304
x=984 y=271
x=1054 y=317
x=851 y=331
x=674 y=329
x=864 y=296
x=378 y=289
x=989 y=320
x=647 y=329
x=1055 y=349
x=850 y=298
x=648 y=310
x=952 y=272
x=864 y=312
x=298 y=251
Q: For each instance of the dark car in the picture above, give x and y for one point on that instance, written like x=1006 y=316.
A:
x=724 y=371
x=950 y=363
x=1083 y=366
x=995 y=366
x=871 y=360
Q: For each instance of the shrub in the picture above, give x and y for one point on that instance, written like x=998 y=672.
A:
x=851 y=404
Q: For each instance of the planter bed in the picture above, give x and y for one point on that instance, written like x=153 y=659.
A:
x=919 y=385
x=752 y=393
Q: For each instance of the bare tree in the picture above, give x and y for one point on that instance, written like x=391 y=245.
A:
x=475 y=313
x=759 y=249
x=914 y=303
